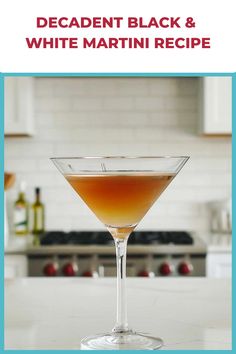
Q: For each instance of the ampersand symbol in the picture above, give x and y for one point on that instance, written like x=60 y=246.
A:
x=189 y=22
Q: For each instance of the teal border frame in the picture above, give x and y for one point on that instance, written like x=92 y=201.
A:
x=2 y=76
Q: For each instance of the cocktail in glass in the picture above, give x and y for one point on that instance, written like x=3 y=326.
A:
x=120 y=191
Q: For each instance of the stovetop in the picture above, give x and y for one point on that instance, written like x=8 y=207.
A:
x=104 y=238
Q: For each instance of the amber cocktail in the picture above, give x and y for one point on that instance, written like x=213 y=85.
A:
x=120 y=201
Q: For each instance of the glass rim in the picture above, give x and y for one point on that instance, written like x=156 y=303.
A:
x=118 y=157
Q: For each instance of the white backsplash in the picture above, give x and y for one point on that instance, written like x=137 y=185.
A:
x=121 y=116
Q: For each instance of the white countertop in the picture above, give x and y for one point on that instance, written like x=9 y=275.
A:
x=193 y=313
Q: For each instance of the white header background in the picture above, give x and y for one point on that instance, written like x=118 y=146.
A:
x=215 y=19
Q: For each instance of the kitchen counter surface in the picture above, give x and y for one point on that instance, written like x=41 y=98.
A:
x=46 y=313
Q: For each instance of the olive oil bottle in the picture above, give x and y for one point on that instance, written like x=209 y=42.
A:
x=21 y=213
x=38 y=214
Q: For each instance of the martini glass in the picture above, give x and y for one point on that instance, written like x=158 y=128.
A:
x=120 y=191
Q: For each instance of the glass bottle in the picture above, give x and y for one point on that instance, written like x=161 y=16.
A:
x=21 y=213
x=38 y=214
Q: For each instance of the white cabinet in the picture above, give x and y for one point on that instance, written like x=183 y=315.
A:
x=19 y=106
x=219 y=265
x=15 y=266
x=215 y=105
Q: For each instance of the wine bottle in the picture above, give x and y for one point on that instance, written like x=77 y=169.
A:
x=21 y=212
x=38 y=214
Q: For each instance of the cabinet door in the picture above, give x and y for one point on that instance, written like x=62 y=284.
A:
x=219 y=265
x=216 y=105
x=15 y=266
x=18 y=106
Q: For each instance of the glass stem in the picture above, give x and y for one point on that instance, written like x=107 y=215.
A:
x=121 y=316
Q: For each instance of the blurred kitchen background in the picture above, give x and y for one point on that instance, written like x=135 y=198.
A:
x=51 y=117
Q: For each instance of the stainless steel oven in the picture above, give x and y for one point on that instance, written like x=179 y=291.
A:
x=90 y=254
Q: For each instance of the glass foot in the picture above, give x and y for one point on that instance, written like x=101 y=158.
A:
x=118 y=341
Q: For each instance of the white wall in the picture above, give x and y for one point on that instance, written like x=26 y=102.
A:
x=121 y=116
